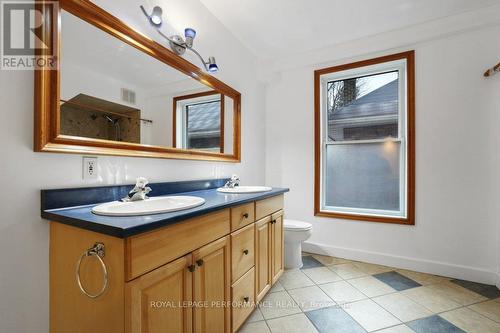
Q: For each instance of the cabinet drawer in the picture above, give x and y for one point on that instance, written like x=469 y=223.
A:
x=242 y=216
x=242 y=251
x=268 y=206
x=147 y=251
x=243 y=298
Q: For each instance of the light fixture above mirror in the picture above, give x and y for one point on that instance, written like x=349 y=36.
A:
x=177 y=43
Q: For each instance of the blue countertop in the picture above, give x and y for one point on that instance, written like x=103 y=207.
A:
x=82 y=216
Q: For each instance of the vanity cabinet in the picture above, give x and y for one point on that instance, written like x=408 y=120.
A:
x=200 y=275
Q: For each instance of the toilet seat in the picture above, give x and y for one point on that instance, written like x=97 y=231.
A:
x=294 y=225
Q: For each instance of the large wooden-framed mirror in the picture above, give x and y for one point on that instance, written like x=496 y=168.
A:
x=117 y=92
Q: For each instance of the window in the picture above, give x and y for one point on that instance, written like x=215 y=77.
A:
x=364 y=140
x=202 y=129
x=199 y=121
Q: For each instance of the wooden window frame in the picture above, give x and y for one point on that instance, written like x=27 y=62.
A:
x=176 y=99
x=409 y=56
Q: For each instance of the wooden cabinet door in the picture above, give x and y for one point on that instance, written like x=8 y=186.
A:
x=277 y=246
x=211 y=287
x=262 y=257
x=155 y=302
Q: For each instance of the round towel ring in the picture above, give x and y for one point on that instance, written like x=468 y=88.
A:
x=97 y=251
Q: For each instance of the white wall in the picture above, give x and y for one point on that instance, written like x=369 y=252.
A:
x=24 y=235
x=457 y=228
x=95 y=84
x=494 y=137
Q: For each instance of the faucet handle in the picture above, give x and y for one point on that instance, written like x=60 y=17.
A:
x=235 y=179
x=140 y=190
x=233 y=182
x=141 y=182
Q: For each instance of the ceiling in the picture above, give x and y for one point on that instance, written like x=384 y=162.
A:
x=275 y=28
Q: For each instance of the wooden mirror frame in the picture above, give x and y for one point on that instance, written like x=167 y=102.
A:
x=47 y=137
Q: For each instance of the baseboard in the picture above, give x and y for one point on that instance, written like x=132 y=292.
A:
x=420 y=265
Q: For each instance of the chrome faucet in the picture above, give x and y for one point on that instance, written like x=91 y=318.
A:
x=139 y=192
x=233 y=182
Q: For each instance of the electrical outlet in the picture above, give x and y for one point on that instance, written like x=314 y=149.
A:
x=89 y=168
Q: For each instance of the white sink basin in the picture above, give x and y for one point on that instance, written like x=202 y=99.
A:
x=244 y=189
x=155 y=205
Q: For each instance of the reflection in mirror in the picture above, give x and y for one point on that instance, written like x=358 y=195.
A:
x=111 y=91
x=201 y=121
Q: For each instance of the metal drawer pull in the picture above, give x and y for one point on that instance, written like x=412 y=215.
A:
x=191 y=268
x=245 y=215
x=245 y=252
x=199 y=262
x=95 y=251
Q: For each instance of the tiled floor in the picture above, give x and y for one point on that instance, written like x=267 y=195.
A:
x=330 y=295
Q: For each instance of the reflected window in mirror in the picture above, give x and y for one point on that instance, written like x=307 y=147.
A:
x=199 y=121
x=203 y=126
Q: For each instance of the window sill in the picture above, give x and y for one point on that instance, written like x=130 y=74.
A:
x=367 y=218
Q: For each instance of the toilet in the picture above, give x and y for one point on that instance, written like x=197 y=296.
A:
x=295 y=233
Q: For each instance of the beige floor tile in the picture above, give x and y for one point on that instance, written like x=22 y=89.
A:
x=371 y=286
x=276 y=287
x=347 y=271
x=255 y=316
x=292 y=324
x=256 y=327
x=402 y=307
x=328 y=261
x=397 y=329
x=278 y=304
x=311 y=298
x=457 y=293
x=372 y=269
x=489 y=309
x=471 y=321
x=422 y=278
x=342 y=292
x=370 y=315
x=435 y=302
x=321 y=275
x=295 y=279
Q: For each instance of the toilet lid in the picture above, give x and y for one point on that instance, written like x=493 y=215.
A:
x=296 y=225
